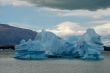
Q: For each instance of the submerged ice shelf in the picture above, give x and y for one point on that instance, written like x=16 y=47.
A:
x=46 y=44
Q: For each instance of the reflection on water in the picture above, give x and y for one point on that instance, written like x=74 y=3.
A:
x=8 y=64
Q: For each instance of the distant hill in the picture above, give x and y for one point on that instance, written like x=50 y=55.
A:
x=10 y=35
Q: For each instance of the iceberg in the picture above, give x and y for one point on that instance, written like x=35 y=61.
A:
x=89 y=46
x=47 y=44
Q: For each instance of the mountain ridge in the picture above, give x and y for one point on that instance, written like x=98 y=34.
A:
x=11 y=35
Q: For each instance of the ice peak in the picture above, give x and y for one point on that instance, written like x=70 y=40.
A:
x=91 y=31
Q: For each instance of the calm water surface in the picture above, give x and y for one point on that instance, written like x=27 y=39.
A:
x=10 y=65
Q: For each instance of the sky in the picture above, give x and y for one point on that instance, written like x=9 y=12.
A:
x=63 y=17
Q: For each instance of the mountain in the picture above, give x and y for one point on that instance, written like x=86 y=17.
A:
x=10 y=35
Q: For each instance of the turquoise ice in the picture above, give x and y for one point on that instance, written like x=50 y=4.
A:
x=88 y=46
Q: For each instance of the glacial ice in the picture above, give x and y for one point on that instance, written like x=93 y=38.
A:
x=90 y=46
x=47 y=44
x=54 y=45
x=30 y=50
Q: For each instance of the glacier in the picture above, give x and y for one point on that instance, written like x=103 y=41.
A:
x=47 y=44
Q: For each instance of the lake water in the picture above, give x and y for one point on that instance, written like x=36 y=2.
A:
x=8 y=64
